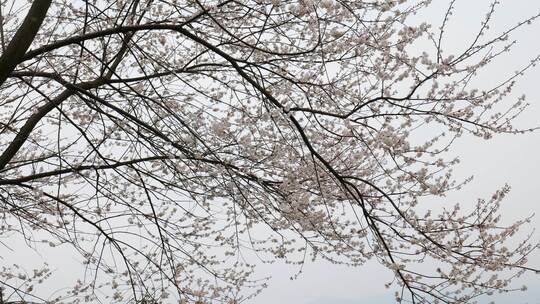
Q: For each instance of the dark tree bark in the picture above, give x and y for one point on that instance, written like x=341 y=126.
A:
x=22 y=40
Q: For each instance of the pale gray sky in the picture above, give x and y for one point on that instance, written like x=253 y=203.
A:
x=512 y=159
x=504 y=159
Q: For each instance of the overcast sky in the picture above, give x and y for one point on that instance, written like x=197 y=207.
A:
x=512 y=159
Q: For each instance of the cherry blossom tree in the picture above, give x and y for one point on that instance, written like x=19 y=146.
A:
x=175 y=144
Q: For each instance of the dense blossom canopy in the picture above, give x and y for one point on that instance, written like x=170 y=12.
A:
x=175 y=144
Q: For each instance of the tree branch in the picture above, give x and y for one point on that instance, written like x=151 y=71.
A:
x=23 y=38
